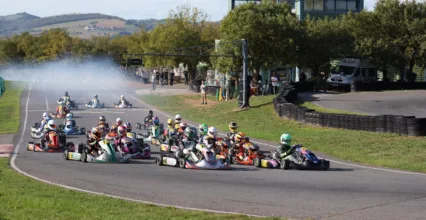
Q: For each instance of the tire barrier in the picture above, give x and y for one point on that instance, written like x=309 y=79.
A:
x=398 y=124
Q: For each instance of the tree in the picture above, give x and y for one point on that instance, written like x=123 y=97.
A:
x=322 y=40
x=270 y=29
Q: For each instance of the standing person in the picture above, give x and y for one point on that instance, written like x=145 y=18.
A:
x=161 y=79
x=185 y=75
x=203 y=93
x=153 y=77
x=274 y=81
x=172 y=77
x=166 y=76
x=157 y=77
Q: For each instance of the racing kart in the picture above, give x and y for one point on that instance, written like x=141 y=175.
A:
x=301 y=159
x=137 y=147
x=246 y=157
x=122 y=104
x=205 y=159
x=56 y=143
x=70 y=104
x=92 y=104
x=152 y=134
x=34 y=134
x=61 y=113
x=107 y=154
x=68 y=129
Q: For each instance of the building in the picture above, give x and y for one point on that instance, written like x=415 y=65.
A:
x=315 y=8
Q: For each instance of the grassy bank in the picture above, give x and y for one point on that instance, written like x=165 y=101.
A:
x=318 y=108
x=24 y=198
x=10 y=108
x=386 y=150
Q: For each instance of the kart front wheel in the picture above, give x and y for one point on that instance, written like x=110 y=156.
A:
x=285 y=164
x=84 y=156
x=159 y=161
x=182 y=163
x=257 y=162
x=66 y=154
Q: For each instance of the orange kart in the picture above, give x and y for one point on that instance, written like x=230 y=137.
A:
x=245 y=155
x=61 y=112
x=56 y=143
x=222 y=148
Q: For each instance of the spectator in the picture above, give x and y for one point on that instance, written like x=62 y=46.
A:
x=157 y=77
x=321 y=82
x=166 y=77
x=203 y=93
x=302 y=77
x=161 y=79
x=185 y=75
x=172 y=77
x=274 y=81
x=153 y=77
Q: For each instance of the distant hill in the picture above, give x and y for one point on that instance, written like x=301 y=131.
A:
x=80 y=25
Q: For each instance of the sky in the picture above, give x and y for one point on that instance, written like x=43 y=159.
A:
x=127 y=9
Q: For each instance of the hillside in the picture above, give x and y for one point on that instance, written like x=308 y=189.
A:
x=79 y=25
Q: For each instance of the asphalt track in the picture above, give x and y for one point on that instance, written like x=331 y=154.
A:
x=343 y=192
x=410 y=103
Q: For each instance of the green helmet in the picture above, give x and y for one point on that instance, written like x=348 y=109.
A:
x=203 y=129
x=285 y=139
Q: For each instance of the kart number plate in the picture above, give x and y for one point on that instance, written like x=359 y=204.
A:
x=171 y=161
x=302 y=148
x=130 y=135
x=264 y=163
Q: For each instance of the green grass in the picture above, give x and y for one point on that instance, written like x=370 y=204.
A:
x=10 y=113
x=318 y=108
x=24 y=198
x=385 y=150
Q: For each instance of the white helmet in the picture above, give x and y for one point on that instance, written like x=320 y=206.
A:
x=45 y=115
x=178 y=117
x=212 y=132
x=52 y=124
x=95 y=96
x=69 y=116
x=118 y=120
x=122 y=96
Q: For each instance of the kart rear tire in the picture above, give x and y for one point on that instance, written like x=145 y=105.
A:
x=66 y=154
x=257 y=162
x=159 y=160
x=230 y=159
x=84 y=156
x=285 y=164
x=82 y=130
x=182 y=163
x=325 y=164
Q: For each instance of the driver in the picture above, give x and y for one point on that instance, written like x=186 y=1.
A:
x=178 y=120
x=51 y=127
x=103 y=126
x=170 y=132
x=285 y=148
x=123 y=100
x=118 y=123
x=61 y=108
x=148 y=119
x=121 y=131
x=69 y=118
x=232 y=131
x=95 y=100
x=189 y=138
x=65 y=98
x=210 y=139
x=43 y=123
x=93 y=141
x=181 y=130
x=202 y=128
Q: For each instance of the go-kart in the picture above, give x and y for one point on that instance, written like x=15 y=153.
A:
x=122 y=104
x=247 y=156
x=137 y=147
x=107 y=154
x=56 y=143
x=34 y=134
x=60 y=113
x=222 y=148
x=152 y=134
x=68 y=129
x=301 y=159
x=70 y=104
x=92 y=104
x=205 y=158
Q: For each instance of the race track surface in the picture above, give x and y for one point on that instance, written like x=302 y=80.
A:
x=410 y=103
x=343 y=192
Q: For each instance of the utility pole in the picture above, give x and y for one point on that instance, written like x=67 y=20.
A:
x=245 y=92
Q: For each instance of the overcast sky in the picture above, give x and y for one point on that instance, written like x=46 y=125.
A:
x=127 y=9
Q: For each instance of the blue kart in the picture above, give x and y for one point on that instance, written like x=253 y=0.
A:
x=69 y=129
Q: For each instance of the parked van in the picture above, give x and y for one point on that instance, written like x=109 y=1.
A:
x=349 y=70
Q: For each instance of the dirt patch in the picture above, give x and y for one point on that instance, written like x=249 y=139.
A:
x=197 y=102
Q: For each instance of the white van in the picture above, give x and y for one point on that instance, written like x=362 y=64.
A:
x=351 y=69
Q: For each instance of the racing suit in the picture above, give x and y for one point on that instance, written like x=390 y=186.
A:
x=64 y=110
x=46 y=138
x=95 y=102
x=93 y=143
x=148 y=120
x=169 y=135
x=73 y=124
x=123 y=101
x=231 y=136
x=114 y=127
x=43 y=125
x=285 y=150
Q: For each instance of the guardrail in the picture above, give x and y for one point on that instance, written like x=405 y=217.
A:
x=399 y=124
x=2 y=86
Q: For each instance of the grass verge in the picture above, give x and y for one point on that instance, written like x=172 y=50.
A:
x=10 y=102
x=385 y=150
x=24 y=198
x=318 y=108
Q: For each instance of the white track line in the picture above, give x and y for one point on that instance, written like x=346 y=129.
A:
x=273 y=147
x=47 y=105
x=13 y=165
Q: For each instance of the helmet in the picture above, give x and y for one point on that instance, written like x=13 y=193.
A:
x=233 y=126
x=183 y=125
x=150 y=112
x=170 y=122
x=156 y=120
x=122 y=97
x=189 y=133
x=95 y=133
x=239 y=136
x=121 y=130
x=119 y=121
x=128 y=126
x=69 y=116
x=52 y=124
x=285 y=139
x=178 y=118
x=102 y=118
x=45 y=115
x=202 y=128
x=66 y=93
x=94 y=129
x=95 y=96
x=212 y=132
